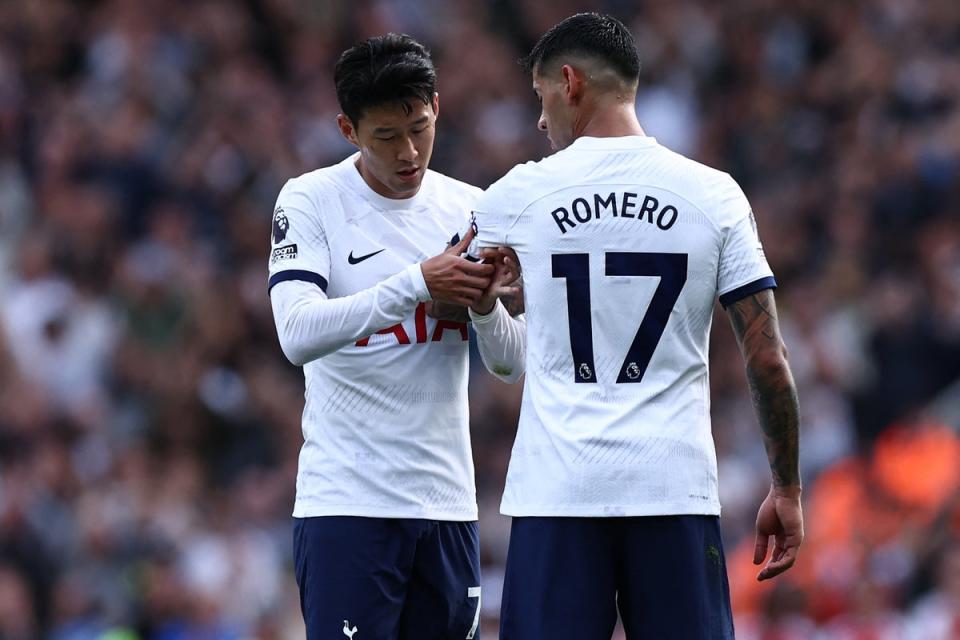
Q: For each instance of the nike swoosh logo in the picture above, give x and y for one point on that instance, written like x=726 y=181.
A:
x=360 y=259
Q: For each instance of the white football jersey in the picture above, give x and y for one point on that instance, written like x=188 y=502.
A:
x=625 y=247
x=385 y=424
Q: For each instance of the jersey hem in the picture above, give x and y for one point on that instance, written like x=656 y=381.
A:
x=361 y=511
x=546 y=511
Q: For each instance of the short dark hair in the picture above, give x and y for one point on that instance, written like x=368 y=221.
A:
x=383 y=69
x=591 y=34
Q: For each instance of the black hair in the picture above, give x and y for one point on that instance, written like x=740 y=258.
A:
x=383 y=69
x=590 y=34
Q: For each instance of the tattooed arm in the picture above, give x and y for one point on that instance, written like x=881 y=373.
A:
x=774 y=396
x=513 y=302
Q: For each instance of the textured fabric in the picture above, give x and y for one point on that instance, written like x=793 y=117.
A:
x=310 y=325
x=625 y=247
x=385 y=424
x=566 y=578
x=502 y=342
x=387 y=579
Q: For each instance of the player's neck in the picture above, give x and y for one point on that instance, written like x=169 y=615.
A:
x=610 y=121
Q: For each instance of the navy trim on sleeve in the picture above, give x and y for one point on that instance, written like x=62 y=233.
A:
x=297 y=274
x=740 y=293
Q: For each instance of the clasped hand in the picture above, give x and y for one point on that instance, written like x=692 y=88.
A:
x=452 y=279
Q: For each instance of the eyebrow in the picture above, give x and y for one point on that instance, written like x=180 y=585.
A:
x=419 y=121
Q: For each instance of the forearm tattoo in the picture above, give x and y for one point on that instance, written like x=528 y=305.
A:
x=447 y=311
x=772 y=389
x=513 y=303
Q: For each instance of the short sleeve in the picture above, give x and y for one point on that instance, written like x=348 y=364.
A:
x=299 y=249
x=492 y=219
x=743 y=266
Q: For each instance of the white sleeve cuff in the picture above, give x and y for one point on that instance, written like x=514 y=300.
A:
x=419 y=284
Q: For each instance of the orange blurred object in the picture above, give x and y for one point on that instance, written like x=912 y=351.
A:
x=919 y=465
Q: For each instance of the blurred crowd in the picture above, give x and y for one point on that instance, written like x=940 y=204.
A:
x=149 y=425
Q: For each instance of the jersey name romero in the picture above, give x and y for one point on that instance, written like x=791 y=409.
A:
x=625 y=247
x=385 y=424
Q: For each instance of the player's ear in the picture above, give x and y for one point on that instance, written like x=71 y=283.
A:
x=347 y=130
x=436 y=104
x=572 y=83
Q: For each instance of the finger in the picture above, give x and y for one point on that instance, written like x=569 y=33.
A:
x=465 y=241
x=775 y=567
x=462 y=297
x=501 y=277
x=476 y=269
x=508 y=255
x=507 y=291
x=778 y=552
x=468 y=291
x=760 y=549
x=510 y=277
x=508 y=252
x=490 y=253
x=473 y=281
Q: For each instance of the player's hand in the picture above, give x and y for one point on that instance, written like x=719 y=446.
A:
x=508 y=260
x=780 y=516
x=453 y=279
x=504 y=281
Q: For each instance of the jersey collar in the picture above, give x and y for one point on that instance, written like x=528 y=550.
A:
x=622 y=142
x=360 y=186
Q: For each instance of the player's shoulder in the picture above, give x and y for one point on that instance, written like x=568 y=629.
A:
x=317 y=194
x=712 y=190
x=318 y=183
x=533 y=169
x=700 y=176
x=516 y=188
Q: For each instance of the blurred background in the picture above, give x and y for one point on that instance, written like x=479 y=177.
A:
x=149 y=424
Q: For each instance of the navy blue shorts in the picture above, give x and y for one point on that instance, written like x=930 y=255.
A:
x=567 y=577
x=387 y=579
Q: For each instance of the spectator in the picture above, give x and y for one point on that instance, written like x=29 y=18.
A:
x=149 y=425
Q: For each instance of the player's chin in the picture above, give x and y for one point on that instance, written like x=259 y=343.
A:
x=407 y=181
